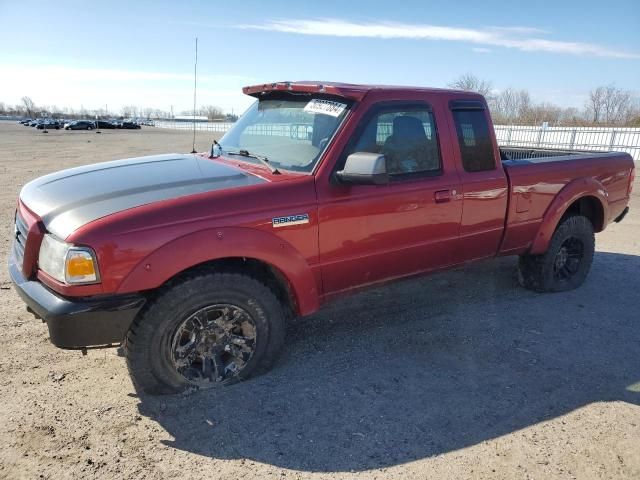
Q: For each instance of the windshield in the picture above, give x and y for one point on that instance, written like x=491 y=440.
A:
x=291 y=131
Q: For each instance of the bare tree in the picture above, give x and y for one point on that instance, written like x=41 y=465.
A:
x=470 y=83
x=129 y=111
x=595 y=104
x=212 y=112
x=511 y=106
x=571 y=116
x=609 y=105
x=29 y=106
x=541 y=113
x=3 y=108
x=617 y=105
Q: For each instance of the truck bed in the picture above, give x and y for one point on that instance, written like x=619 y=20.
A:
x=545 y=154
x=538 y=176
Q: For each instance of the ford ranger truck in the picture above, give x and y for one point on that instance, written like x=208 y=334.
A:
x=193 y=262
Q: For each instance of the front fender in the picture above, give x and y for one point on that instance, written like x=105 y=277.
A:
x=218 y=243
x=572 y=191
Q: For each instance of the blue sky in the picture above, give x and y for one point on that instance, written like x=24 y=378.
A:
x=137 y=52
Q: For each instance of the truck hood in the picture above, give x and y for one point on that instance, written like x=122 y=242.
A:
x=69 y=199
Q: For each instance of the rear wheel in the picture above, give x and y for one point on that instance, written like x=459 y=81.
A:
x=209 y=329
x=566 y=264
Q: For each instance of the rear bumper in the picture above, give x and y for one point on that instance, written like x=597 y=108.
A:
x=78 y=322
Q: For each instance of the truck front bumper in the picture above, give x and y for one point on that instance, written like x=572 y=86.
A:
x=77 y=322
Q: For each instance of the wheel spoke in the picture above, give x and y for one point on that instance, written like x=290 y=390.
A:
x=183 y=353
x=199 y=320
x=568 y=259
x=244 y=343
x=218 y=365
x=208 y=368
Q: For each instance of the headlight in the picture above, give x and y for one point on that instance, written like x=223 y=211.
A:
x=67 y=263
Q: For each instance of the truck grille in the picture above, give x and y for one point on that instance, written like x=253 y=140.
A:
x=20 y=239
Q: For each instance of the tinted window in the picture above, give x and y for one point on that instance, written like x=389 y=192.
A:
x=476 y=148
x=405 y=136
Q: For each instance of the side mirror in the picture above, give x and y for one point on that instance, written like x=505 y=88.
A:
x=364 y=168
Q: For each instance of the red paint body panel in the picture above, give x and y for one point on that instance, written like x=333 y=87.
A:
x=356 y=235
x=540 y=193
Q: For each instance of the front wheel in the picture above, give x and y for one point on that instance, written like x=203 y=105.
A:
x=209 y=329
x=566 y=264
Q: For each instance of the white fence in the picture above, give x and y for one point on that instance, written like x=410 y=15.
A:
x=565 y=138
x=571 y=138
x=183 y=125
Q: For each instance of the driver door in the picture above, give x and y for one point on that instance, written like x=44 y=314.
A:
x=372 y=233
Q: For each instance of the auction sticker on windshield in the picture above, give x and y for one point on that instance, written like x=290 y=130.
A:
x=326 y=107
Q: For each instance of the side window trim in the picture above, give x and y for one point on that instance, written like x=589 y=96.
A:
x=399 y=105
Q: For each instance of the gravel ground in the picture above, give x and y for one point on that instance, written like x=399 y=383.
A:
x=458 y=375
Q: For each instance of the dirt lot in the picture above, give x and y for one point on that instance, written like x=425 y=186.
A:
x=459 y=375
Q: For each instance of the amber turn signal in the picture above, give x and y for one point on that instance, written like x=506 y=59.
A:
x=80 y=267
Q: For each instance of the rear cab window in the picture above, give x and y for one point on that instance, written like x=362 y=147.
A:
x=474 y=139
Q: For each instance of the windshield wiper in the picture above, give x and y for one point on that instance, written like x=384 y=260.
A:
x=261 y=158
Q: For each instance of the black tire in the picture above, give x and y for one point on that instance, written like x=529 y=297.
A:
x=151 y=341
x=566 y=264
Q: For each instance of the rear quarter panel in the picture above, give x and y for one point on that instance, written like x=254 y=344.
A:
x=543 y=190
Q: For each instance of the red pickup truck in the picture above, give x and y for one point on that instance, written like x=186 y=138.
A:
x=193 y=262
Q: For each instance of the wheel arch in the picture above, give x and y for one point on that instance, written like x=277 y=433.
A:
x=584 y=196
x=260 y=254
x=260 y=270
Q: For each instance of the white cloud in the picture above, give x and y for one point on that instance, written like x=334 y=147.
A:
x=519 y=30
x=508 y=37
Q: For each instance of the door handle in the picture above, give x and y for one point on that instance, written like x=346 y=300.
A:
x=442 y=196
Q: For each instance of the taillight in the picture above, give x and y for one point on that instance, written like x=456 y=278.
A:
x=632 y=177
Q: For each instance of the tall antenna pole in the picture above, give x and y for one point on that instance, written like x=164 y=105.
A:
x=195 y=85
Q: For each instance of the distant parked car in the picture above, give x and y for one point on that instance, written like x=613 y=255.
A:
x=52 y=124
x=26 y=121
x=104 y=124
x=80 y=125
x=148 y=122
x=130 y=125
x=116 y=123
x=33 y=123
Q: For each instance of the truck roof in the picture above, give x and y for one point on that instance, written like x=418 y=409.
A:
x=347 y=90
